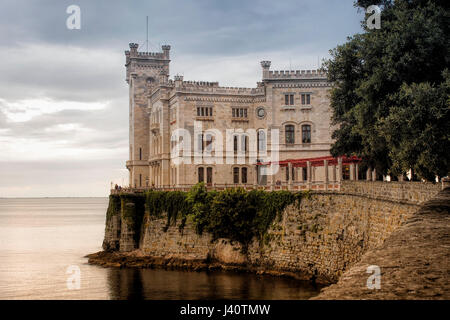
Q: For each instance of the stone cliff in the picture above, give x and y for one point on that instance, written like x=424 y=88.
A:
x=318 y=240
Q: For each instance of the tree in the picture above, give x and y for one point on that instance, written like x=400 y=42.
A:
x=390 y=95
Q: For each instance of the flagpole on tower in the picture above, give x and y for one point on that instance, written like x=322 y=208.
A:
x=147 y=36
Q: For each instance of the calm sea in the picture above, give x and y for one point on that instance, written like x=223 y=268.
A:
x=43 y=240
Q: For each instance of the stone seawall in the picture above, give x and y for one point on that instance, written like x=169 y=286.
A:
x=413 y=261
x=318 y=241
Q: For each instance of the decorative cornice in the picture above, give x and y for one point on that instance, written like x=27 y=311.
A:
x=225 y=99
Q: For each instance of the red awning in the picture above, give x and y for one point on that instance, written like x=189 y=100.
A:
x=315 y=162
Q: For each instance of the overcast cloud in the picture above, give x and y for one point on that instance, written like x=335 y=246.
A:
x=63 y=98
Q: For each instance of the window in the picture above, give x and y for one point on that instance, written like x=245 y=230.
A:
x=287 y=173
x=244 y=175
x=200 y=143
x=239 y=112
x=201 y=177
x=305 y=174
x=262 y=177
x=306 y=133
x=235 y=175
x=140 y=153
x=244 y=143
x=235 y=143
x=290 y=133
x=289 y=99
x=261 y=140
x=306 y=98
x=209 y=175
x=209 y=140
x=204 y=111
x=140 y=180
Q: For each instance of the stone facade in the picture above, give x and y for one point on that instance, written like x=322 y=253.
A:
x=295 y=103
x=325 y=236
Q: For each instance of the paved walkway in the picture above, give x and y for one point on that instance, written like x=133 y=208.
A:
x=414 y=260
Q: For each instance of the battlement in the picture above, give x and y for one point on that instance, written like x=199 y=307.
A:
x=147 y=63
x=214 y=88
x=296 y=74
x=134 y=53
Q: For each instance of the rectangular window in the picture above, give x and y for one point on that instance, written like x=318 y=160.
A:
x=289 y=99
x=306 y=133
x=198 y=111
x=140 y=153
x=235 y=175
x=210 y=111
x=290 y=134
x=306 y=98
x=244 y=175
x=239 y=112
x=201 y=177
x=209 y=175
x=287 y=173
x=305 y=174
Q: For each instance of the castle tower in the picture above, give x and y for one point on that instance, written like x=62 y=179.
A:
x=143 y=72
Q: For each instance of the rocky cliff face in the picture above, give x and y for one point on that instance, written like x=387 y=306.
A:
x=319 y=240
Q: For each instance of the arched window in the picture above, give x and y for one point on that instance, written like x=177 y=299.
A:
x=244 y=175
x=289 y=133
x=201 y=176
x=235 y=175
x=261 y=140
x=244 y=143
x=235 y=143
x=209 y=140
x=209 y=174
x=306 y=133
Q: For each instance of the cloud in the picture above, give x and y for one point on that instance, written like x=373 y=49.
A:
x=63 y=98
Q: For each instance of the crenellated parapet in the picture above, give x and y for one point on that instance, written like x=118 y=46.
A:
x=144 y=62
x=296 y=74
x=214 y=88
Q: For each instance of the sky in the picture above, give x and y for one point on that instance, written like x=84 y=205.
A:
x=63 y=95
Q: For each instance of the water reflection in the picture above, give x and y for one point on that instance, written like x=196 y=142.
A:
x=161 y=284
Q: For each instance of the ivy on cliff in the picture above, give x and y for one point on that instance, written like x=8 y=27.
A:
x=235 y=214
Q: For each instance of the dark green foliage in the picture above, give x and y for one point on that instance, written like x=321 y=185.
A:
x=234 y=214
x=390 y=99
x=171 y=202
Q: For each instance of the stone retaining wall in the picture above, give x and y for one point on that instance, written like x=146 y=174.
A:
x=319 y=240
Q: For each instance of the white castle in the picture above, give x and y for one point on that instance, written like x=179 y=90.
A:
x=231 y=136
